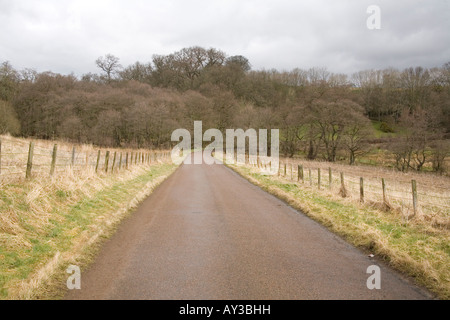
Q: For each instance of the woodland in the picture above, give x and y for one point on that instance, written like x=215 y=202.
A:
x=321 y=115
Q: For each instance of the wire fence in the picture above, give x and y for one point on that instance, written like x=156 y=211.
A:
x=413 y=194
x=20 y=159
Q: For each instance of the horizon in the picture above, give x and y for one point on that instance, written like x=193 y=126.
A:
x=96 y=71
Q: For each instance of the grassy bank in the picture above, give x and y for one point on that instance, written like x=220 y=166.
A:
x=412 y=246
x=48 y=224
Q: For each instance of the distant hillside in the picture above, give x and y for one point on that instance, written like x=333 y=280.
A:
x=320 y=114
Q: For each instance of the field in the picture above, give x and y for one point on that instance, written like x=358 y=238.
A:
x=15 y=157
x=433 y=191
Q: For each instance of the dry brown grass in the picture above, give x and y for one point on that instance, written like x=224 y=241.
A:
x=47 y=222
x=433 y=190
x=14 y=156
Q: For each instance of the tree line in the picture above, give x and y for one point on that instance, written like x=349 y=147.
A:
x=320 y=114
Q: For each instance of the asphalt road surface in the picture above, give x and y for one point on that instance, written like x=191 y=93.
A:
x=206 y=233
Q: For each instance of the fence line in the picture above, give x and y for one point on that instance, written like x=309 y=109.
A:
x=31 y=159
x=406 y=195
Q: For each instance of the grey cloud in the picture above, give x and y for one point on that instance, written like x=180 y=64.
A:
x=66 y=36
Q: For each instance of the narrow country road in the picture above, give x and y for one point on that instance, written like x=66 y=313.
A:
x=206 y=233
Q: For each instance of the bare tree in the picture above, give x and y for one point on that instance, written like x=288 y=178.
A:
x=182 y=68
x=240 y=62
x=369 y=83
x=215 y=57
x=338 y=124
x=356 y=134
x=110 y=65
x=138 y=72
x=415 y=83
x=318 y=76
x=421 y=131
x=9 y=78
x=440 y=150
x=28 y=74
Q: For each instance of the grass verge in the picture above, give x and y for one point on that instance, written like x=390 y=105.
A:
x=414 y=246
x=47 y=225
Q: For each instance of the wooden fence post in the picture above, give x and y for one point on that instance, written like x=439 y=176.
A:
x=0 y=156
x=318 y=178
x=330 y=177
x=343 y=191
x=383 y=186
x=72 y=163
x=285 y=170
x=414 y=195
x=114 y=161
x=126 y=161
x=106 y=161
x=98 y=161
x=361 y=189
x=120 y=161
x=30 y=160
x=52 y=168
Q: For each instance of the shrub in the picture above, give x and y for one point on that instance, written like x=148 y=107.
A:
x=386 y=128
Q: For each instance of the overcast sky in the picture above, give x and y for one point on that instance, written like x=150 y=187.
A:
x=67 y=36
